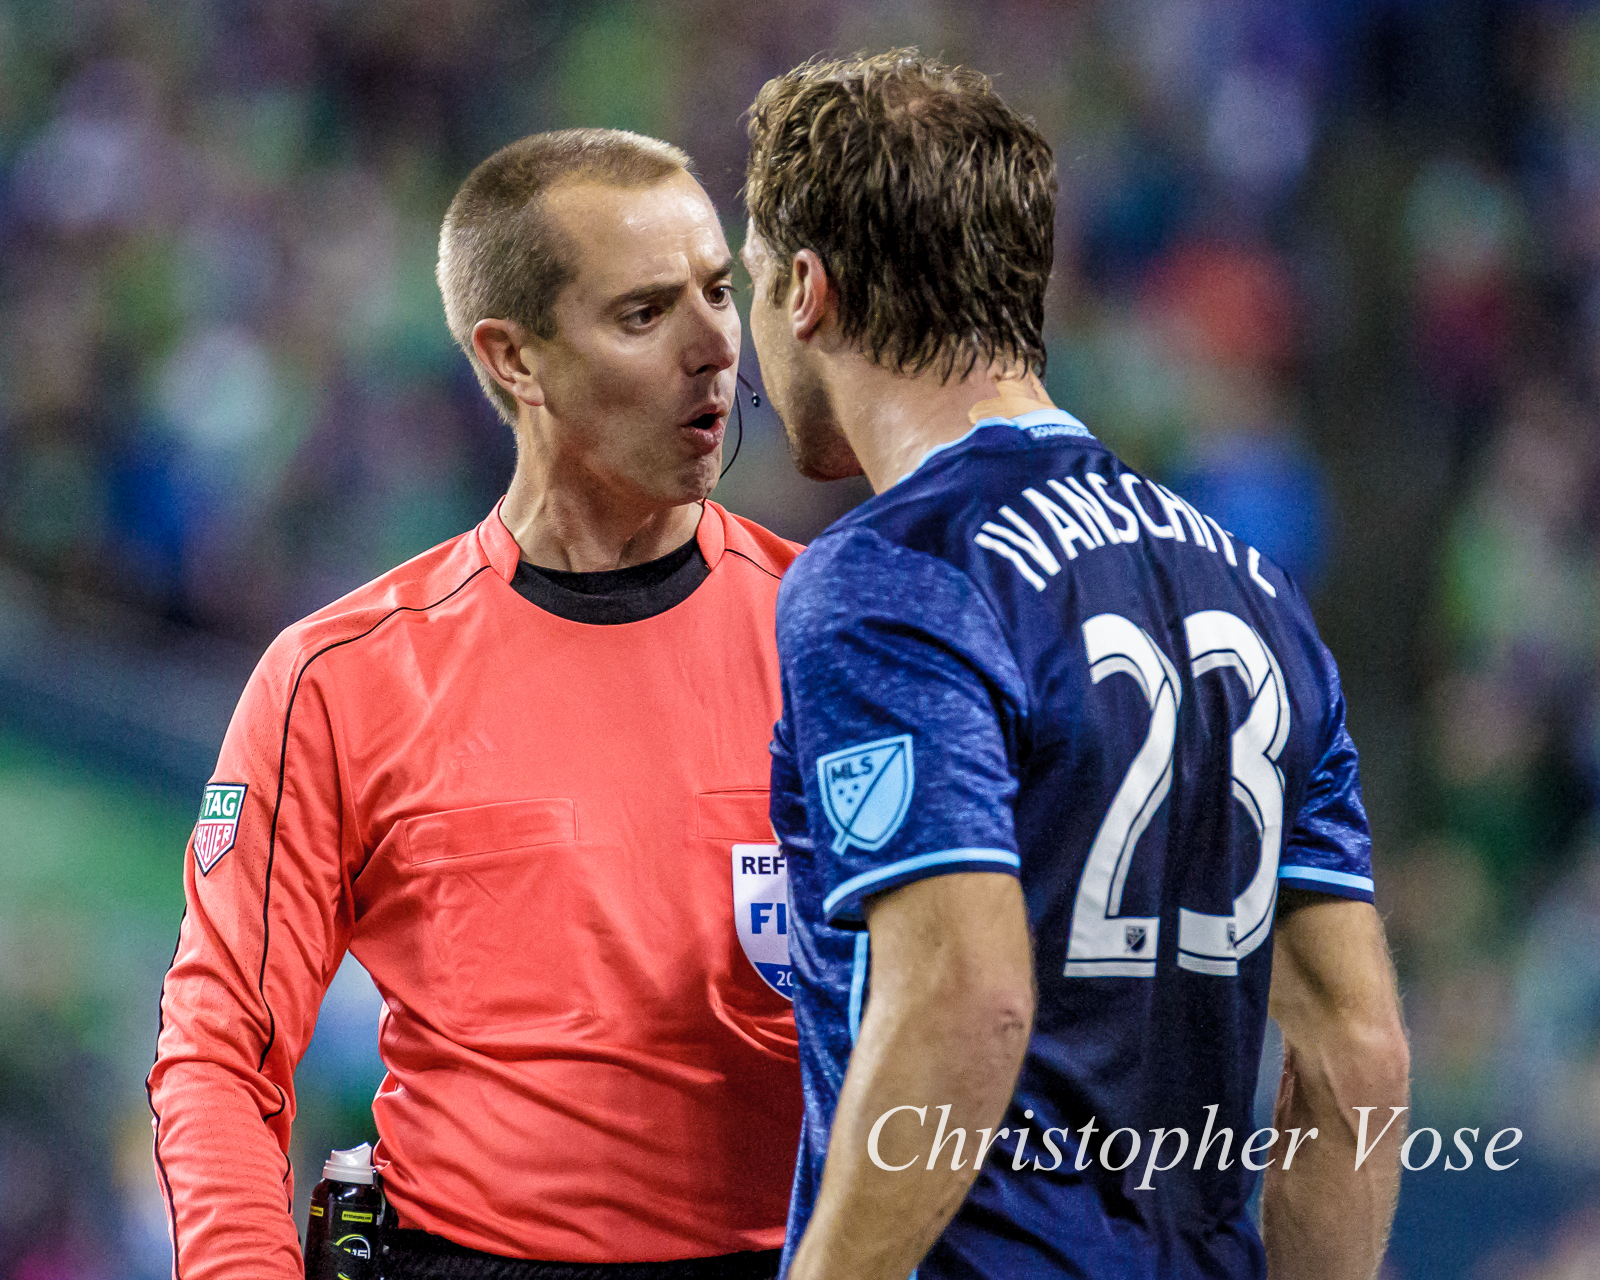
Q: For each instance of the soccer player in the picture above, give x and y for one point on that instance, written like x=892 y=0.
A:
x=522 y=778
x=1058 y=754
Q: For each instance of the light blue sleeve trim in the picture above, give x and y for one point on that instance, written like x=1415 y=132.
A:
x=858 y=983
x=1343 y=878
x=857 y=883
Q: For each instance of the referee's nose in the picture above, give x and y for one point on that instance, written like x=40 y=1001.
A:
x=714 y=343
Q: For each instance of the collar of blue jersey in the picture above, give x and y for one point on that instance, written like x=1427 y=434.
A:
x=1038 y=424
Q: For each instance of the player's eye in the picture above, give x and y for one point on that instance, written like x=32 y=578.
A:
x=720 y=294
x=641 y=316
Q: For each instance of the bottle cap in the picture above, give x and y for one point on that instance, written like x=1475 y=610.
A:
x=354 y=1165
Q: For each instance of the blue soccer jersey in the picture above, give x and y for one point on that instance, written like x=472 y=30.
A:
x=1025 y=658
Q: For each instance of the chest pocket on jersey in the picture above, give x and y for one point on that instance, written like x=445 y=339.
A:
x=739 y=815
x=489 y=828
x=499 y=888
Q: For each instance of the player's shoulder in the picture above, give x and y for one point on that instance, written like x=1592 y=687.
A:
x=856 y=573
x=856 y=554
x=754 y=543
x=419 y=585
x=915 y=535
x=856 y=591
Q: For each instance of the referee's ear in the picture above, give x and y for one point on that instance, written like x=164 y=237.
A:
x=504 y=348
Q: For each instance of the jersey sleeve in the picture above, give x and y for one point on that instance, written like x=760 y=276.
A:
x=1329 y=845
x=266 y=922
x=902 y=709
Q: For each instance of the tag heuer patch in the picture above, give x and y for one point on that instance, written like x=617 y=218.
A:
x=219 y=823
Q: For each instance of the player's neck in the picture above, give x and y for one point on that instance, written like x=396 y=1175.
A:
x=565 y=524
x=893 y=420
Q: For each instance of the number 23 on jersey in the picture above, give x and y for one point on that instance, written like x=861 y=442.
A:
x=1104 y=943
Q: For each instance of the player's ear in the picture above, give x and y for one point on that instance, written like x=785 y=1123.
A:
x=505 y=348
x=811 y=294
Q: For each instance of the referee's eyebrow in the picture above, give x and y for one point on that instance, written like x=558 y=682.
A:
x=664 y=291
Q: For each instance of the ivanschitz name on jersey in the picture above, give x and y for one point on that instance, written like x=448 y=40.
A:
x=1077 y=518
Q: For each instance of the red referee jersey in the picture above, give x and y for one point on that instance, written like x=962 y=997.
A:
x=522 y=827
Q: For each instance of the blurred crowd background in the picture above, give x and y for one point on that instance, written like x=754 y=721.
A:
x=1331 y=270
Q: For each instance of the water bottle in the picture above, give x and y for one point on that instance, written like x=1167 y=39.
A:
x=347 y=1211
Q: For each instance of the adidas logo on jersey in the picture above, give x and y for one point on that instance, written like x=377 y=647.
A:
x=474 y=751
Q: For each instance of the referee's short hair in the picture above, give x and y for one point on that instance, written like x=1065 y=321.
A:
x=501 y=258
x=930 y=202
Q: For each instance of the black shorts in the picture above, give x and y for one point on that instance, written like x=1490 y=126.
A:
x=417 y=1255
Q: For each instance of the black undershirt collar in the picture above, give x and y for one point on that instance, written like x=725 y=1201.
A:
x=610 y=596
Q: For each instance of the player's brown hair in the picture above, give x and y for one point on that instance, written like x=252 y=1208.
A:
x=501 y=258
x=930 y=202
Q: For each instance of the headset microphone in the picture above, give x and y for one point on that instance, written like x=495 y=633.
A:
x=738 y=410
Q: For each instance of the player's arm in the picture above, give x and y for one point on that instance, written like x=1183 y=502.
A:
x=265 y=924
x=911 y=653
x=948 y=1023
x=1334 y=996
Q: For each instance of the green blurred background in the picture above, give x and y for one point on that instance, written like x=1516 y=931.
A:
x=1330 y=270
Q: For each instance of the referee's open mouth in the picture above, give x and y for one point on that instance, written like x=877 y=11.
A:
x=705 y=429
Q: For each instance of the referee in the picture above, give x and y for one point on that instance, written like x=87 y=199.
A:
x=517 y=777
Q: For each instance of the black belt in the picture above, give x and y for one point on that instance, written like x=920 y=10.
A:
x=418 y=1255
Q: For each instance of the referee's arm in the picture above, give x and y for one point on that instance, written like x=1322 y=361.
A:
x=265 y=925
x=1334 y=996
